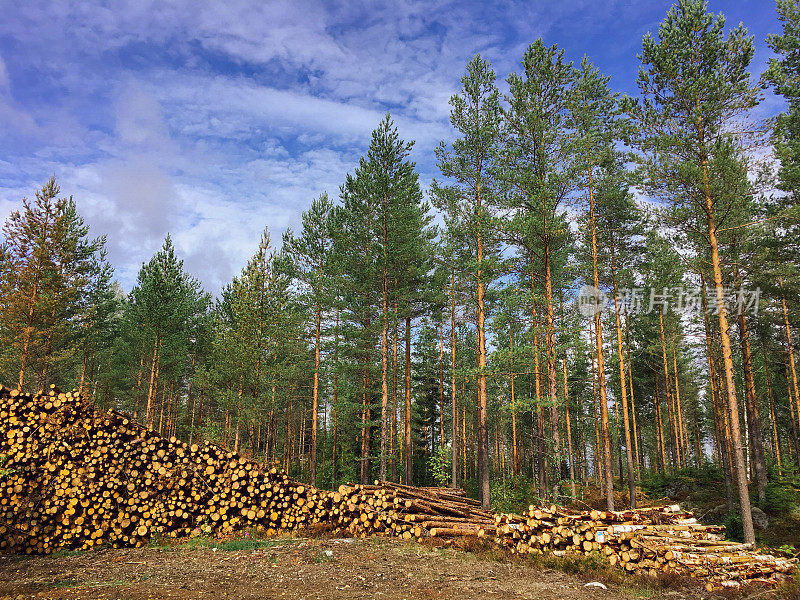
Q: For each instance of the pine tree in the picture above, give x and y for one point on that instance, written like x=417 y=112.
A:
x=100 y=311
x=383 y=245
x=694 y=83
x=48 y=263
x=593 y=114
x=162 y=305
x=310 y=252
x=537 y=170
x=619 y=222
x=783 y=230
x=470 y=202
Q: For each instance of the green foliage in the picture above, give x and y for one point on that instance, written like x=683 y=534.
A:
x=49 y=269
x=440 y=465
x=781 y=497
x=5 y=471
x=734 y=530
x=162 y=324
x=655 y=484
x=783 y=75
x=513 y=494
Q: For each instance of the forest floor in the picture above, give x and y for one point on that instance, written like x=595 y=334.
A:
x=302 y=568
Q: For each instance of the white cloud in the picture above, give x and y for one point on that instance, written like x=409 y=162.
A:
x=212 y=120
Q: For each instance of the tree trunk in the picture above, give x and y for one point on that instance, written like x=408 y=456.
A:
x=453 y=407
x=153 y=383
x=683 y=436
x=441 y=384
x=790 y=347
x=26 y=343
x=83 y=370
x=365 y=416
x=407 y=449
x=795 y=426
x=540 y=451
x=670 y=413
x=727 y=360
x=776 y=446
x=514 y=449
x=753 y=412
x=334 y=440
x=601 y=374
x=598 y=453
x=384 y=363
x=552 y=373
x=662 y=452
x=315 y=398
x=393 y=444
x=570 y=456
x=720 y=420
x=603 y=401
x=483 y=433
x=624 y=389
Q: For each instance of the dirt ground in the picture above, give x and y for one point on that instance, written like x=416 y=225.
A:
x=294 y=569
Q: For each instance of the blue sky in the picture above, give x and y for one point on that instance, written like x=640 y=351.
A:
x=213 y=120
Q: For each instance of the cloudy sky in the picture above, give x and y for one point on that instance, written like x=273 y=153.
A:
x=212 y=120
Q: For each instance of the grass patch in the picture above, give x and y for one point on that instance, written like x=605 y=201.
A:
x=324 y=556
x=237 y=543
x=248 y=544
x=63 y=583
x=595 y=567
x=66 y=553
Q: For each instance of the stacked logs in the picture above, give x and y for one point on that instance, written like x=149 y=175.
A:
x=408 y=512
x=645 y=541
x=72 y=476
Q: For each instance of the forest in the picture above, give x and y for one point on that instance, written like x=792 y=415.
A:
x=596 y=288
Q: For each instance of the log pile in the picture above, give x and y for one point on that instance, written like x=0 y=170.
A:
x=76 y=477
x=72 y=476
x=408 y=512
x=644 y=541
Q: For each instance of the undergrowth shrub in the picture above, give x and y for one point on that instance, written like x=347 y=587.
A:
x=514 y=494
x=655 y=484
x=440 y=465
x=734 y=530
x=780 y=498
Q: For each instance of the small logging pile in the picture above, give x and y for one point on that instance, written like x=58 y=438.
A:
x=408 y=512
x=645 y=541
x=72 y=476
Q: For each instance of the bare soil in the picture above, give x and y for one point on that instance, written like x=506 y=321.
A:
x=294 y=569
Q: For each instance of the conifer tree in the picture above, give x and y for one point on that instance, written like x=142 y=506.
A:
x=310 y=252
x=537 y=169
x=162 y=305
x=592 y=117
x=388 y=235
x=48 y=263
x=694 y=83
x=470 y=201
x=619 y=222
x=782 y=231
